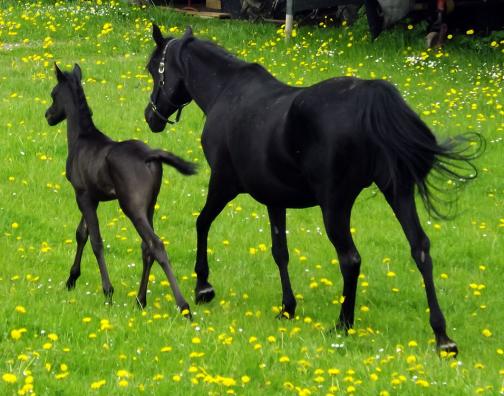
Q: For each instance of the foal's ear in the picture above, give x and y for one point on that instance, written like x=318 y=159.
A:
x=157 y=35
x=59 y=74
x=188 y=32
x=77 y=72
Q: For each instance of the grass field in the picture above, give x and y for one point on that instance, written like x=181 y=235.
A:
x=55 y=342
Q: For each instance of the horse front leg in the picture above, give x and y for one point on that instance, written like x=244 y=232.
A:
x=281 y=256
x=336 y=213
x=220 y=192
x=81 y=236
x=88 y=208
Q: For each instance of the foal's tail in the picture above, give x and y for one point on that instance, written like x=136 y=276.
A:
x=411 y=151
x=183 y=166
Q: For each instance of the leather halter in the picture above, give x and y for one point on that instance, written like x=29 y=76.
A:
x=155 y=94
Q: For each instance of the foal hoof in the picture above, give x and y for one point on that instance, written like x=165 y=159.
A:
x=448 y=348
x=70 y=284
x=186 y=312
x=204 y=295
x=108 y=294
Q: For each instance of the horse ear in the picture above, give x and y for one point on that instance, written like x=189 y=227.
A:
x=59 y=74
x=77 y=72
x=157 y=35
x=188 y=32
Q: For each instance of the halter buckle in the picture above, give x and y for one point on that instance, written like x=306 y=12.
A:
x=161 y=67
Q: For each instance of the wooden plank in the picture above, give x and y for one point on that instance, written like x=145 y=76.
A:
x=204 y=14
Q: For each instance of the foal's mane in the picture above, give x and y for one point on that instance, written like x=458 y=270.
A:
x=79 y=95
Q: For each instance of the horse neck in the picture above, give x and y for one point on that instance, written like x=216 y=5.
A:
x=79 y=118
x=207 y=70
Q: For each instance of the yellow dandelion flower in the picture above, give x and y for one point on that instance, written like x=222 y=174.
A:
x=411 y=359
x=98 y=384
x=52 y=336
x=9 y=378
x=123 y=373
x=284 y=359
x=333 y=371
x=176 y=378
x=123 y=383
x=245 y=379
x=486 y=333
x=422 y=383
x=47 y=346
x=20 y=309
x=16 y=334
x=196 y=340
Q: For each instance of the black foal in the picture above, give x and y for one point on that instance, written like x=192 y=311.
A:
x=101 y=169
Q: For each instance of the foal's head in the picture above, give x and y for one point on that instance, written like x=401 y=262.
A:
x=169 y=93
x=62 y=94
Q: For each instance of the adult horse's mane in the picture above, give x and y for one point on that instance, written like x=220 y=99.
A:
x=214 y=49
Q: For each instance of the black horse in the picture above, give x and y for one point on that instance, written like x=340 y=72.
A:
x=101 y=169
x=299 y=147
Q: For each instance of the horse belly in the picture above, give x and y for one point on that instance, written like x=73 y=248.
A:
x=275 y=192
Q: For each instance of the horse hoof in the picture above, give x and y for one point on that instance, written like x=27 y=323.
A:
x=285 y=315
x=205 y=295
x=108 y=294
x=70 y=284
x=141 y=304
x=448 y=349
x=343 y=326
x=186 y=312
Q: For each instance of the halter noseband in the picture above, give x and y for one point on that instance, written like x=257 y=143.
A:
x=155 y=95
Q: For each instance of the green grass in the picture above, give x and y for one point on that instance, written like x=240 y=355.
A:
x=71 y=340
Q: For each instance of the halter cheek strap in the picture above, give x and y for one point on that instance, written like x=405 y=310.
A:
x=155 y=95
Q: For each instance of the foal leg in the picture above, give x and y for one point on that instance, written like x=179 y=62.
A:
x=147 y=260
x=88 y=208
x=281 y=256
x=219 y=194
x=337 y=223
x=156 y=248
x=81 y=235
x=403 y=205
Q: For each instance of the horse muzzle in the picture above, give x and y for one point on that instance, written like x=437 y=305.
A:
x=155 y=123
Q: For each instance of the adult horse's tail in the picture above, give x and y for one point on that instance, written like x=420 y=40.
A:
x=410 y=149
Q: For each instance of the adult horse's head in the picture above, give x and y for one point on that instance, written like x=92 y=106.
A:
x=169 y=94
x=61 y=94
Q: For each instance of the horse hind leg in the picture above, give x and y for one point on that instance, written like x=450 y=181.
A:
x=403 y=205
x=281 y=256
x=147 y=260
x=156 y=248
